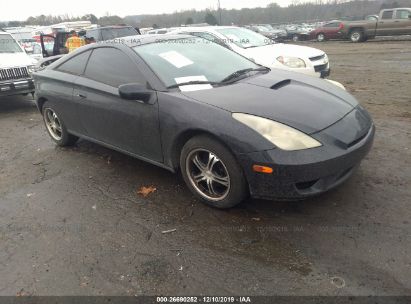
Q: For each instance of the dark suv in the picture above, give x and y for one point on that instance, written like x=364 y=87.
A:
x=110 y=32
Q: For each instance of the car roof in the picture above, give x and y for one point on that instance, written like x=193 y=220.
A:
x=138 y=40
x=111 y=26
x=203 y=28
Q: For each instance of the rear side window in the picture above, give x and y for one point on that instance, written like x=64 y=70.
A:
x=403 y=14
x=387 y=14
x=111 y=66
x=75 y=65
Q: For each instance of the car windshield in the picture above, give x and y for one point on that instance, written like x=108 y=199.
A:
x=244 y=38
x=191 y=59
x=9 y=45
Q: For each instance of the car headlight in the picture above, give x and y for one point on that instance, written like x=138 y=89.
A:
x=292 y=62
x=282 y=136
x=31 y=69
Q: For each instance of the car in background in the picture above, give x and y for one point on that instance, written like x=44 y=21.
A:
x=390 y=22
x=110 y=32
x=158 y=31
x=263 y=50
x=330 y=30
x=231 y=127
x=16 y=67
x=298 y=32
x=371 y=17
x=268 y=31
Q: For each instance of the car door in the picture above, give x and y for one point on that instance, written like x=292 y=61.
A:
x=62 y=86
x=331 y=30
x=129 y=125
x=403 y=21
x=386 y=24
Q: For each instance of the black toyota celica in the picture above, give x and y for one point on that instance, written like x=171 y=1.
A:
x=231 y=127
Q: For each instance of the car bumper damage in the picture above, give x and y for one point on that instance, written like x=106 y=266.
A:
x=300 y=174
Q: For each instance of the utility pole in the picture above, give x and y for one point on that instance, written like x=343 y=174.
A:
x=219 y=10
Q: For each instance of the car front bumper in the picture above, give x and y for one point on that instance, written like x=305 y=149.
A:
x=16 y=87
x=305 y=173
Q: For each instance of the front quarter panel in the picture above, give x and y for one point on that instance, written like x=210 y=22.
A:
x=182 y=117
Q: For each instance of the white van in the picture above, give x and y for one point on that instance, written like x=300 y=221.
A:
x=16 y=67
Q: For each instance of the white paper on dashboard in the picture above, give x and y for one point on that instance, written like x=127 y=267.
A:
x=193 y=87
x=176 y=59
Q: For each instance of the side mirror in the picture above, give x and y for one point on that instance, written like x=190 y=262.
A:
x=135 y=91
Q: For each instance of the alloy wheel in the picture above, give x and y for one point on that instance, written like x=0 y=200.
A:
x=53 y=124
x=208 y=174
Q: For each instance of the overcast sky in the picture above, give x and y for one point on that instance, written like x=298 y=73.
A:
x=22 y=9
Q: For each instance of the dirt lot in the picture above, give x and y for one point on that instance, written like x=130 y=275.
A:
x=71 y=222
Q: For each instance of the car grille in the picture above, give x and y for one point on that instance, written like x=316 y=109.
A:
x=14 y=73
x=321 y=67
x=316 y=58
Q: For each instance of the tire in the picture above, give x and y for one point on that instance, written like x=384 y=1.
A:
x=55 y=127
x=295 y=38
x=321 y=37
x=357 y=35
x=212 y=173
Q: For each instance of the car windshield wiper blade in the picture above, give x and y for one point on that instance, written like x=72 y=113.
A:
x=240 y=73
x=192 y=83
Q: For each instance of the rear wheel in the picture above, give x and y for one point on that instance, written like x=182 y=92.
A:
x=320 y=37
x=212 y=173
x=357 y=35
x=56 y=128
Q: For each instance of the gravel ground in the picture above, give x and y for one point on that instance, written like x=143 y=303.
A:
x=71 y=222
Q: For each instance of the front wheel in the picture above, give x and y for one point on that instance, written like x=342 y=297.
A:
x=212 y=173
x=56 y=128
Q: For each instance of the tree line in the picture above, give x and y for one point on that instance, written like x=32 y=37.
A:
x=298 y=11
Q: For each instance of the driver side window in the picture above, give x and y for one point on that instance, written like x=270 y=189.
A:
x=112 y=67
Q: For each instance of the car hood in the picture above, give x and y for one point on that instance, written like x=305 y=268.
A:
x=268 y=54
x=11 y=60
x=306 y=103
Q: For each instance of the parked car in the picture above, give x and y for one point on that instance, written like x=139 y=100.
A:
x=268 y=31
x=264 y=51
x=390 y=22
x=158 y=31
x=54 y=44
x=297 y=32
x=231 y=127
x=110 y=32
x=330 y=30
x=16 y=67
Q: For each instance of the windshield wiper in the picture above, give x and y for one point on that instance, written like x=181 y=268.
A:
x=240 y=73
x=192 y=83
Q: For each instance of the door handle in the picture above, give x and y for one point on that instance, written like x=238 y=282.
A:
x=81 y=95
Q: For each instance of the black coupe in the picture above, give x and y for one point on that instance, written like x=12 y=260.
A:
x=233 y=128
